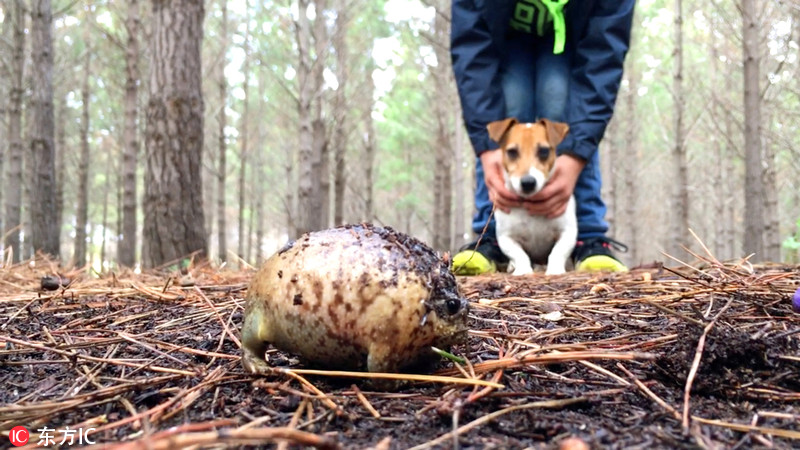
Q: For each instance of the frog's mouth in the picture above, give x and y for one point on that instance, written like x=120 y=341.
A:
x=449 y=336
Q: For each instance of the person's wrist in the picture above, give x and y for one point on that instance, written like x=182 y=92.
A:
x=572 y=163
x=486 y=154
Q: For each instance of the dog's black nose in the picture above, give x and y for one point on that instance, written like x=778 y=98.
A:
x=528 y=184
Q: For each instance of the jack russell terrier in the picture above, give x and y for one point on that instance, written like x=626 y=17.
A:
x=529 y=154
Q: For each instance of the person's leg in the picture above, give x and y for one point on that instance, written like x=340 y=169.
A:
x=552 y=82
x=552 y=93
x=591 y=209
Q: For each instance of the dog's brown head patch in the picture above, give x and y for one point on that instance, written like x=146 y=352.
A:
x=527 y=145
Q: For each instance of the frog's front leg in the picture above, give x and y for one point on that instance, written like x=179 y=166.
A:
x=254 y=341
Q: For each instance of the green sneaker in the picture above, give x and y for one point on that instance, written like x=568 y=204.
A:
x=594 y=255
x=475 y=259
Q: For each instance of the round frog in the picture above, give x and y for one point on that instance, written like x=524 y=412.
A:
x=354 y=297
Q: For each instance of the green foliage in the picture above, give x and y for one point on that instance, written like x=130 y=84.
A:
x=404 y=165
x=792 y=243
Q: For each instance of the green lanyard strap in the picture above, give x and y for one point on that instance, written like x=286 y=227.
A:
x=556 y=10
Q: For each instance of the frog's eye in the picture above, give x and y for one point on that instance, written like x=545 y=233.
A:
x=453 y=306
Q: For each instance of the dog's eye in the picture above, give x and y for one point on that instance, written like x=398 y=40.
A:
x=453 y=306
x=512 y=153
x=543 y=153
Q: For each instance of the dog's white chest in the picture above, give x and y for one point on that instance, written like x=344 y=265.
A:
x=536 y=234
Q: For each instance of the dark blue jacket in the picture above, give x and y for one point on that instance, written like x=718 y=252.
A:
x=598 y=35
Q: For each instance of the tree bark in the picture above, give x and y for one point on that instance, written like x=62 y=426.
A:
x=305 y=214
x=173 y=199
x=718 y=180
x=130 y=151
x=104 y=238
x=630 y=165
x=5 y=36
x=608 y=149
x=259 y=197
x=244 y=141
x=250 y=232
x=291 y=197
x=443 y=155
x=312 y=140
x=45 y=231
x=222 y=168
x=340 y=110
x=321 y=171
x=459 y=210
x=13 y=179
x=754 y=214
x=370 y=150
x=772 y=232
x=62 y=119
x=82 y=215
x=732 y=184
x=680 y=185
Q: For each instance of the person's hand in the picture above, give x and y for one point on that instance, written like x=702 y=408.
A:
x=552 y=200
x=499 y=195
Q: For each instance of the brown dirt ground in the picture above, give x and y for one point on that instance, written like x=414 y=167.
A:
x=606 y=356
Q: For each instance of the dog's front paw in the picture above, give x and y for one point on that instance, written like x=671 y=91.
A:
x=522 y=271
x=557 y=270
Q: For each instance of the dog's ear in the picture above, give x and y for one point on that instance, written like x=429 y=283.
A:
x=555 y=131
x=499 y=128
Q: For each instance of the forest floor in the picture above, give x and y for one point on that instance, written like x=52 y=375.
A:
x=152 y=361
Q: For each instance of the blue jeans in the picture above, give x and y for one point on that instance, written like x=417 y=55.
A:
x=536 y=85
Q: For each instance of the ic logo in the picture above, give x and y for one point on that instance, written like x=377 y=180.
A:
x=19 y=436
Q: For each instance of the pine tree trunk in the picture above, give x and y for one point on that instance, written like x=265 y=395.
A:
x=244 y=142
x=5 y=75
x=118 y=205
x=630 y=165
x=13 y=178
x=241 y=244
x=322 y=178
x=459 y=211
x=754 y=214
x=250 y=233
x=105 y=227
x=259 y=206
x=130 y=151
x=173 y=200
x=731 y=185
x=680 y=185
x=370 y=150
x=312 y=139
x=340 y=111
x=82 y=215
x=305 y=184
x=718 y=176
x=443 y=156
x=608 y=149
x=45 y=231
x=222 y=168
x=772 y=232
x=321 y=170
x=61 y=148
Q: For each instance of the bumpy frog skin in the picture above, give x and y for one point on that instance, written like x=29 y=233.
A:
x=354 y=297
